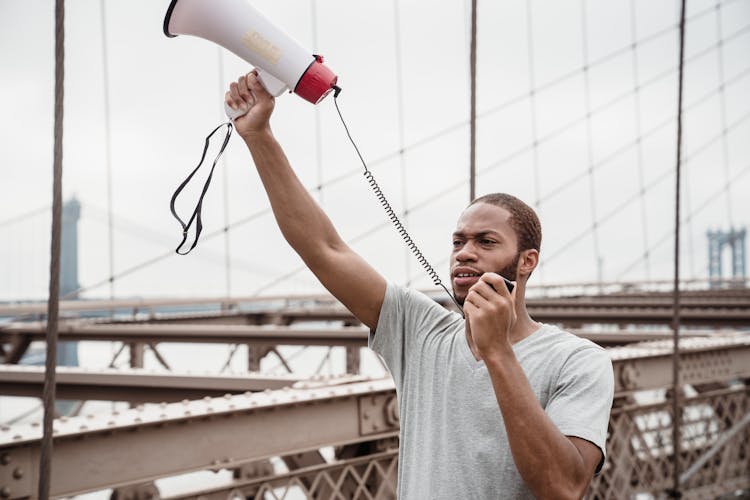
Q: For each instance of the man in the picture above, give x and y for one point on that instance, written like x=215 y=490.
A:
x=493 y=406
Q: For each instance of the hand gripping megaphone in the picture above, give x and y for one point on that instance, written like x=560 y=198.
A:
x=282 y=63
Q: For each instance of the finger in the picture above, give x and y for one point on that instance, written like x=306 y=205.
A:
x=255 y=85
x=475 y=299
x=484 y=289
x=235 y=101
x=244 y=90
x=497 y=282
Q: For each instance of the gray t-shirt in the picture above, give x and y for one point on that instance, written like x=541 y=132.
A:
x=453 y=440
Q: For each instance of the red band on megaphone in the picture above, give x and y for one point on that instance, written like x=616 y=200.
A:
x=316 y=82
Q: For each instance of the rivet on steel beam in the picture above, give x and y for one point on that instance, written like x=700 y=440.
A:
x=185 y=402
x=139 y=408
x=63 y=419
x=35 y=424
x=5 y=428
x=4 y=459
x=163 y=404
x=227 y=396
x=248 y=394
x=17 y=437
x=5 y=492
x=17 y=473
x=187 y=413
x=83 y=428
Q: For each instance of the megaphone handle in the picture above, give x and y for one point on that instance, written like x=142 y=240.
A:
x=273 y=85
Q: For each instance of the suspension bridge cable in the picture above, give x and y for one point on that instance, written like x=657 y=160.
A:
x=48 y=394
x=107 y=145
x=638 y=131
x=458 y=126
x=573 y=180
x=145 y=233
x=589 y=139
x=490 y=167
x=532 y=100
x=676 y=397
x=473 y=104
x=24 y=216
x=640 y=193
x=723 y=112
x=709 y=200
x=368 y=232
x=595 y=63
x=225 y=183
x=401 y=125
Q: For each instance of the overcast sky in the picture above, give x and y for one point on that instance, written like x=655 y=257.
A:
x=404 y=70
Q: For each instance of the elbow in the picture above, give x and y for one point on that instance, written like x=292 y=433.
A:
x=562 y=488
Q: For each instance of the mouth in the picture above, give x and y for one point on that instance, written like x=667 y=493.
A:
x=464 y=277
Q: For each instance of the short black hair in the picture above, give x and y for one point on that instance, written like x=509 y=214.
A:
x=523 y=219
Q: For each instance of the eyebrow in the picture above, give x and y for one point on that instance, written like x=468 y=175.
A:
x=478 y=234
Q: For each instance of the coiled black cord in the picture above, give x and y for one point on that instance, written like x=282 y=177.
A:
x=392 y=213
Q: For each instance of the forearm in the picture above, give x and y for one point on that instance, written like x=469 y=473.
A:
x=301 y=220
x=548 y=462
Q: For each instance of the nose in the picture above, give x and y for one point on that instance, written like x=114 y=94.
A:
x=466 y=253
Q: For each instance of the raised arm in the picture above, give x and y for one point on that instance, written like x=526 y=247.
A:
x=301 y=220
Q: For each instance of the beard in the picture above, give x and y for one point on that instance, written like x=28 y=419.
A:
x=509 y=272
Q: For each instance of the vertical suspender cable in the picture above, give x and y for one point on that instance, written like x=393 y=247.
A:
x=723 y=110
x=318 y=125
x=590 y=142
x=108 y=147
x=639 y=135
x=473 y=111
x=401 y=127
x=676 y=410
x=225 y=183
x=45 y=461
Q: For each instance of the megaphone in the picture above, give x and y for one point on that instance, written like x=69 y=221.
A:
x=282 y=63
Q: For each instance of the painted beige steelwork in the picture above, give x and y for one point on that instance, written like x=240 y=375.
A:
x=146 y=443
x=134 y=385
x=149 y=442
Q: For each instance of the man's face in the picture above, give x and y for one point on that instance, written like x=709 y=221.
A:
x=483 y=242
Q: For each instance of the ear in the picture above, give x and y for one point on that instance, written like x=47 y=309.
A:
x=527 y=262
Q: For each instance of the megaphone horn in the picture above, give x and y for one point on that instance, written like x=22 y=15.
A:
x=282 y=63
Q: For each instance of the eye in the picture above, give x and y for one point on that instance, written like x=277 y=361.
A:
x=457 y=243
x=486 y=241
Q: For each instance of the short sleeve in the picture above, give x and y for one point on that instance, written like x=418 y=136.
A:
x=406 y=318
x=582 y=398
x=388 y=338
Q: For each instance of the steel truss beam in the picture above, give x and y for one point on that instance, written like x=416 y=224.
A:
x=192 y=333
x=169 y=439
x=133 y=385
x=268 y=335
x=648 y=365
x=146 y=443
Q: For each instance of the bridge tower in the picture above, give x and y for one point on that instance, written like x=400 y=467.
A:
x=67 y=352
x=717 y=241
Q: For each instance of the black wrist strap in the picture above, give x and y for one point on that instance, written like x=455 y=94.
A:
x=196 y=216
